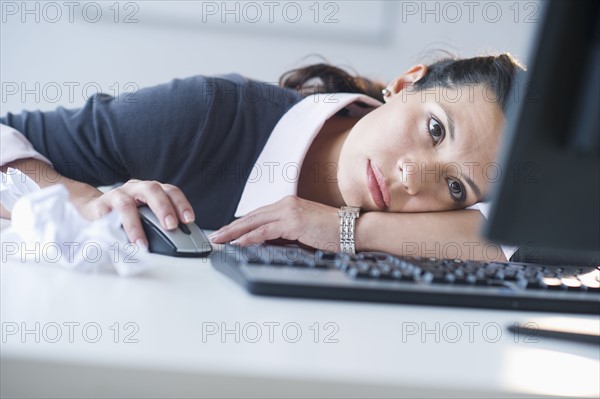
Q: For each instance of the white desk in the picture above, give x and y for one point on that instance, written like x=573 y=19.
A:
x=174 y=302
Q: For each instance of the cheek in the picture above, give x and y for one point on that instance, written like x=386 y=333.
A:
x=349 y=161
x=374 y=133
x=376 y=141
x=352 y=161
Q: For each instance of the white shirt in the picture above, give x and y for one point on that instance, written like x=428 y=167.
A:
x=276 y=171
x=14 y=145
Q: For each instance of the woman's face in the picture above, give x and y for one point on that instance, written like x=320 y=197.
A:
x=422 y=151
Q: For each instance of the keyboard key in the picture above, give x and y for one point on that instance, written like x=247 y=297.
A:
x=521 y=283
x=355 y=272
x=374 y=272
x=461 y=280
x=438 y=276
x=571 y=283
x=493 y=267
x=384 y=268
x=376 y=256
x=591 y=280
x=459 y=273
x=343 y=265
x=251 y=254
x=426 y=278
x=470 y=279
x=497 y=283
x=362 y=265
x=409 y=276
x=449 y=278
x=481 y=280
x=396 y=274
x=474 y=265
x=325 y=259
x=309 y=263
x=537 y=284
x=553 y=283
x=520 y=275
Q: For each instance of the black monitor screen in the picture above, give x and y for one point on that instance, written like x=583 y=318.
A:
x=547 y=199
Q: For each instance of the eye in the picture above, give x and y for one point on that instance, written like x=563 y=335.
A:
x=436 y=130
x=457 y=190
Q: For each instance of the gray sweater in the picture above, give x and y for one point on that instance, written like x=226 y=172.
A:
x=202 y=134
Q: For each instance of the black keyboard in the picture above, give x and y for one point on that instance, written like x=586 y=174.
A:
x=380 y=277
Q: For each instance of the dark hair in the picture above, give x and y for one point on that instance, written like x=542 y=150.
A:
x=326 y=78
x=496 y=72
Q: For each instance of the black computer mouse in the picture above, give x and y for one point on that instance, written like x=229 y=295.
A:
x=188 y=240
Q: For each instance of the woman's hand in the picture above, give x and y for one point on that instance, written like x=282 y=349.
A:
x=168 y=203
x=291 y=218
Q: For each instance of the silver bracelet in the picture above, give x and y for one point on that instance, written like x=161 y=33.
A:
x=348 y=216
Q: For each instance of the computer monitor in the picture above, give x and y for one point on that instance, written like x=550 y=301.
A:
x=547 y=199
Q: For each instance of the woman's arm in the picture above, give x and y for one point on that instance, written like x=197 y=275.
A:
x=449 y=234
x=44 y=175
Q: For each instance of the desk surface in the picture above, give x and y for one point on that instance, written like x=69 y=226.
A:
x=184 y=329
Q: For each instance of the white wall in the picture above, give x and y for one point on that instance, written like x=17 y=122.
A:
x=51 y=51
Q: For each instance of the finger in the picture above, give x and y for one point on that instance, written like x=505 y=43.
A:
x=238 y=227
x=97 y=210
x=130 y=218
x=152 y=193
x=244 y=225
x=251 y=215
x=236 y=223
x=269 y=231
x=183 y=208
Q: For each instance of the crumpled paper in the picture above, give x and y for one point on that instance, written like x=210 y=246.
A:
x=45 y=226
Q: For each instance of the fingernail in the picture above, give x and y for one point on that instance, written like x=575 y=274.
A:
x=187 y=217
x=141 y=243
x=214 y=234
x=235 y=242
x=170 y=222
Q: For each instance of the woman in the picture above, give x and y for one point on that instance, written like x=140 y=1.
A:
x=412 y=155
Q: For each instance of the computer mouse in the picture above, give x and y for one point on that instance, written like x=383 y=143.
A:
x=187 y=240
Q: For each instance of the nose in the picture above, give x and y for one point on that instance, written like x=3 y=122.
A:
x=417 y=176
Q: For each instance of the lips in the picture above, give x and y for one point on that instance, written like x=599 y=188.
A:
x=377 y=187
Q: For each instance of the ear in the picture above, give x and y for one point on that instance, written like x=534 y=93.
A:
x=406 y=79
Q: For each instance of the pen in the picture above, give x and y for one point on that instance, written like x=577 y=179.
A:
x=535 y=331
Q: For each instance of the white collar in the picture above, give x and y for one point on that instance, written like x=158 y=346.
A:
x=276 y=171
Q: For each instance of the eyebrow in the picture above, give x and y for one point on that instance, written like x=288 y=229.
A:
x=450 y=118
